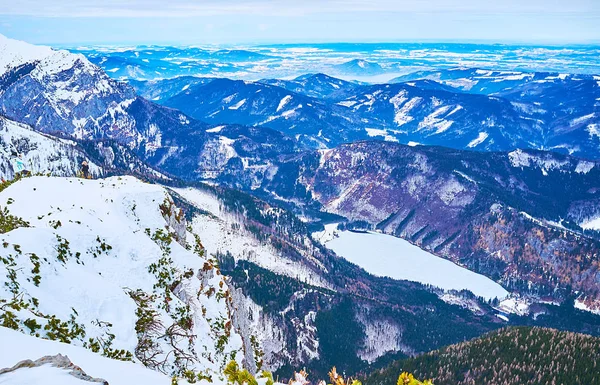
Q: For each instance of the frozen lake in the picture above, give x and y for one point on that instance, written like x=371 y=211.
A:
x=388 y=256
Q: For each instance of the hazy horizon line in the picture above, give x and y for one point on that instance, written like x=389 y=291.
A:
x=300 y=42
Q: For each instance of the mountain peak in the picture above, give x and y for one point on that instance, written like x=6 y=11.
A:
x=14 y=53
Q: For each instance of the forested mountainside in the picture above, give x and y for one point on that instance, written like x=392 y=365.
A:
x=292 y=288
x=510 y=356
x=62 y=155
x=468 y=109
x=515 y=217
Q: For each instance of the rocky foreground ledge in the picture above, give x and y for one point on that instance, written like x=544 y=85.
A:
x=57 y=361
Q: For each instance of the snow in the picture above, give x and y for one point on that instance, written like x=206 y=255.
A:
x=386 y=255
x=327 y=234
x=215 y=129
x=14 y=53
x=114 y=211
x=449 y=191
x=455 y=110
x=24 y=347
x=401 y=114
x=582 y=119
x=514 y=77
x=238 y=105
x=477 y=141
x=375 y=132
x=583 y=167
x=229 y=98
x=592 y=224
x=464 y=84
x=454 y=299
x=381 y=337
x=579 y=304
x=594 y=130
x=379 y=132
x=520 y=158
x=39 y=152
x=433 y=120
x=285 y=100
x=347 y=103
x=218 y=233
x=514 y=305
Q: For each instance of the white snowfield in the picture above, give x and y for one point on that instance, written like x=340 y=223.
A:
x=592 y=224
x=17 y=347
x=92 y=281
x=387 y=256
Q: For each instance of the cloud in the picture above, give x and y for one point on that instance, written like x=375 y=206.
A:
x=191 y=8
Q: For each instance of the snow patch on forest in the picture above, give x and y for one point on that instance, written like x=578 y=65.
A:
x=223 y=232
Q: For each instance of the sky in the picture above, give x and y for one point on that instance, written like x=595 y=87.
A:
x=73 y=22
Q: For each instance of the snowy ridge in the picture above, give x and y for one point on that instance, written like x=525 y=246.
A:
x=520 y=158
x=61 y=91
x=14 y=53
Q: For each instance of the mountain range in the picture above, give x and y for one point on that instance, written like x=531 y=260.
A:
x=463 y=109
x=216 y=258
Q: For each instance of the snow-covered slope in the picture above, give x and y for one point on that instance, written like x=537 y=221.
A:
x=108 y=264
x=23 y=347
x=14 y=53
x=40 y=153
x=59 y=91
x=222 y=232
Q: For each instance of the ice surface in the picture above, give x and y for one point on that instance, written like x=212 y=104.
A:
x=386 y=255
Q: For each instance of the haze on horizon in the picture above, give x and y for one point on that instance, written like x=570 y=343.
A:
x=65 y=22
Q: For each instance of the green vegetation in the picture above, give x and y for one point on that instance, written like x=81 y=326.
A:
x=408 y=379
x=238 y=376
x=103 y=344
x=510 y=356
x=10 y=222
